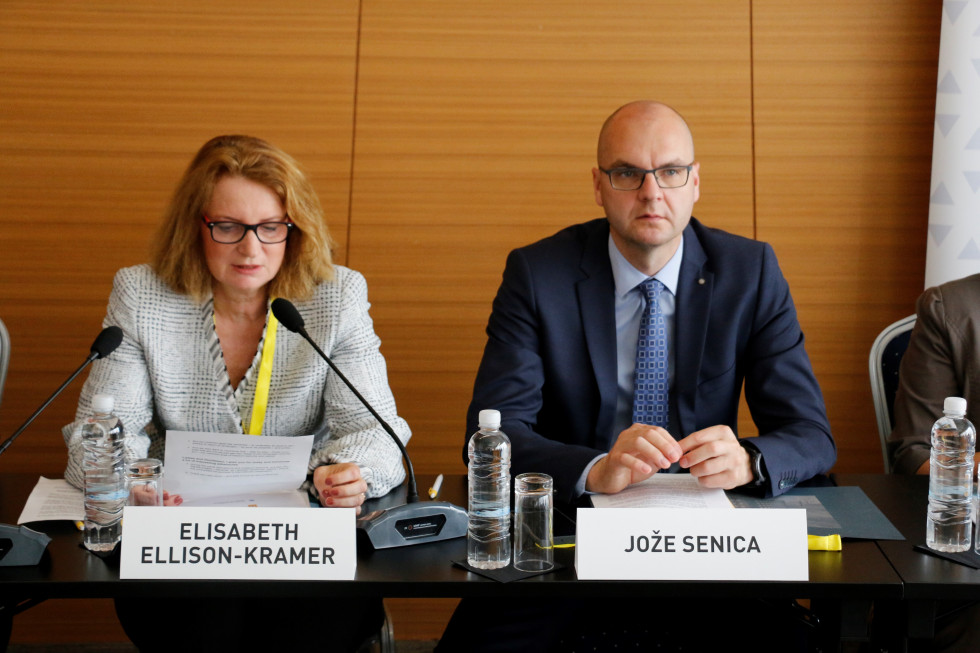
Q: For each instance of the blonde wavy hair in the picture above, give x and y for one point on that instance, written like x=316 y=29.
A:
x=178 y=253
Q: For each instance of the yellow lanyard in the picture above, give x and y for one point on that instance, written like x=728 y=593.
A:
x=265 y=374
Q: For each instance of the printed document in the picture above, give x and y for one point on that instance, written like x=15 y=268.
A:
x=222 y=469
x=52 y=499
x=665 y=491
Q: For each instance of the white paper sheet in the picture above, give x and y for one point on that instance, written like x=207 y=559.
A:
x=665 y=491
x=223 y=469
x=53 y=499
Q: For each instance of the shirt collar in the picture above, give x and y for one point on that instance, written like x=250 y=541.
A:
x=627 y=277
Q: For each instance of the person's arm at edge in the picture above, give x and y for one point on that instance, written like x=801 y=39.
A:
x=782 y=391
x=123 y=374
x=510 y=379
x=355 y=435
x=926 y=377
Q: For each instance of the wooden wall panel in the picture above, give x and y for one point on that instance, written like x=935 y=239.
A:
x=104 y=104
x=470 y=129
x=476 y=133
x=844 y=103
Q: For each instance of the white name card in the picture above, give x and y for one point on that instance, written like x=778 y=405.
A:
x=705 y=544
x=238 y=543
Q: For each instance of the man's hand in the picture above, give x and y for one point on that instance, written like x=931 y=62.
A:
x=638 y=453
x=340 y=486
x=714 y=457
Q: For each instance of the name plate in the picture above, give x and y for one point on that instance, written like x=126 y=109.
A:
x=704 y=544
x=238 y=543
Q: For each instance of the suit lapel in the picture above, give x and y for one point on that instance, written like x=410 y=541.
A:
x=694 y=289
x=598 y=314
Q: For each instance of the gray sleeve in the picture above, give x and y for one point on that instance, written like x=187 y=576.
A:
x=354 y=434
x=123 y=374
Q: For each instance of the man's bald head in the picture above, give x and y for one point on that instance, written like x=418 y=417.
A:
x=649 y=111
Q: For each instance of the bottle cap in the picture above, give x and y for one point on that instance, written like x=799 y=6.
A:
x=103 y=403
x=489 y=419
x=955 y=405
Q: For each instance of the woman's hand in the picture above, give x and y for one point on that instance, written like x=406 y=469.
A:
x=144 y=495
x=340 y=486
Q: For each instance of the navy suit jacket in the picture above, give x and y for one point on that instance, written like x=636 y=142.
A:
x=549 y=365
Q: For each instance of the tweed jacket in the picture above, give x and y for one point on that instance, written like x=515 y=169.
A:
x=167 y=375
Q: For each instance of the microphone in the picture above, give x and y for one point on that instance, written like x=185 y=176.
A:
x=290 y=318
x=412 y=523
x=105 y=343
x=23 y=546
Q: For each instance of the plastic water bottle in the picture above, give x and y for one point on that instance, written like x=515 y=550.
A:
x=488 y=536
x=949 y=522
x=105 y=481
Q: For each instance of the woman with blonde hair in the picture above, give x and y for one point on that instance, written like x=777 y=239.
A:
x=245 y=226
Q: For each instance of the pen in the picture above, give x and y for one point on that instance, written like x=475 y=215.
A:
x=434 y=490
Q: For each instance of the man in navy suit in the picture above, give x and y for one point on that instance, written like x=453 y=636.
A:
x=562 y=337
x=559 y=366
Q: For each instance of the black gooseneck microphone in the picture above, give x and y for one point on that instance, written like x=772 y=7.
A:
x=412 y=523
x=105 y=343
x=23 y=546
x=290 y=318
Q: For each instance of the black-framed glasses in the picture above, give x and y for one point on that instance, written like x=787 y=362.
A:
x=229 y=233
x=631 y=178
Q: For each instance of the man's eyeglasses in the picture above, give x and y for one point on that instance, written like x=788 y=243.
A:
x=630 y=178
x=229 y=233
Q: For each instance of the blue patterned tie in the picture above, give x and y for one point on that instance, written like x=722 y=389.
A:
x=650 y=377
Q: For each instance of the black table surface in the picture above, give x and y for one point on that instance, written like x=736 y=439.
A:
x=903 y=499
x=860 y=572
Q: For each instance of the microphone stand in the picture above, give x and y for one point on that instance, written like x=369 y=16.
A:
x=21 y=546
x=413 y=494
x=415 y=522
x=10 y=440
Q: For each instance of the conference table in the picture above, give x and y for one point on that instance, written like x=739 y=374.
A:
x=926 y=579
x=843 y=585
